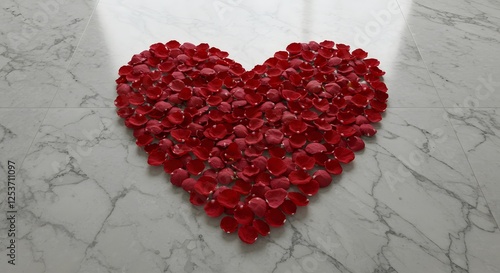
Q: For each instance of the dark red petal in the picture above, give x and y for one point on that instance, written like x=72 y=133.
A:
x=251 y=171
x=248 y=234
x=275 y=218
x=273 y=136
x=228 y=198
x=172 y=164
x=333 y=166
x=225 y=176
x=242 y=187
x=276 y=166
x=229 y=224
x=213 y=208
x=373 y=115
x=294 y=48
x=314 y=86
x=176 y=117
x=277 y=152
x=314 y=148
x=156 y=158
x=195 y=166
x=281 y=182
x=298 y=198
x=343 y=155
x=177 y=85
x=275 y=197
x=305 y=162
x=240 y=130
x=180 y=134
x=297 y=140
x=258 y=206
x=288 y=207
x=299 y=177
x=297 y=126
x=138 y=120
x=359 y=100
x=355 y=143
x=214 y=100
x=310 y=188
x=253 y=99
x=201 y=152
x=205 y=185
x=332 y=137
x=323 y=177
x=243 y=214
x=253 y=138
x=261 y=227
x=290 y=95
x=178 y=176
x=197 y=199
x=188 y=184
x=367 y=129
x=255 y=124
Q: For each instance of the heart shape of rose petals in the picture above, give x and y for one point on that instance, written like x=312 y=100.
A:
x=252 y=145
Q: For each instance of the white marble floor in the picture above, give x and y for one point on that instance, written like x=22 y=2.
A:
x=424 y=196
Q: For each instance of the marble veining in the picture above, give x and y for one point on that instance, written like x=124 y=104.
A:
x=421 y=197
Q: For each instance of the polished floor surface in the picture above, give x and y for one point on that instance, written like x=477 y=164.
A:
x=424 y=196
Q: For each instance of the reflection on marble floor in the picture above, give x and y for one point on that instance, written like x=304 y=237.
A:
x=422 y=196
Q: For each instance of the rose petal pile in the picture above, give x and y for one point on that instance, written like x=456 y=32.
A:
x=251 y=145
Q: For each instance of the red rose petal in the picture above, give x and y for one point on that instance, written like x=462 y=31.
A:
x=333 y=166
x=273 y=136
x=275 y=197
x=258 y=206
x=314 y=148
x=355 y=143
x=180 y=134
x=197 y=199
x=367 y=129
x=205 y=185
x=243 y=214
x=275 y=218
x=229 y=224
x=288 y=207
x=188 y=184
x=172 y=164
x=305 y=162
x=280 y=182
x=323 y=177
x=294 y=48
x=297 y=126
x=310 y=188
x=276 y=166
x=261 y=227
x=213 y=208
x=242 y=187
x=228 y=198
x=196 y=166
x=253 y=138
x=298 y=198
x=156 y=158
x=343 y=155
x=248 y=234
x=297 y=141
x=290 y=95
x=299 y=177
x=178 y=176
